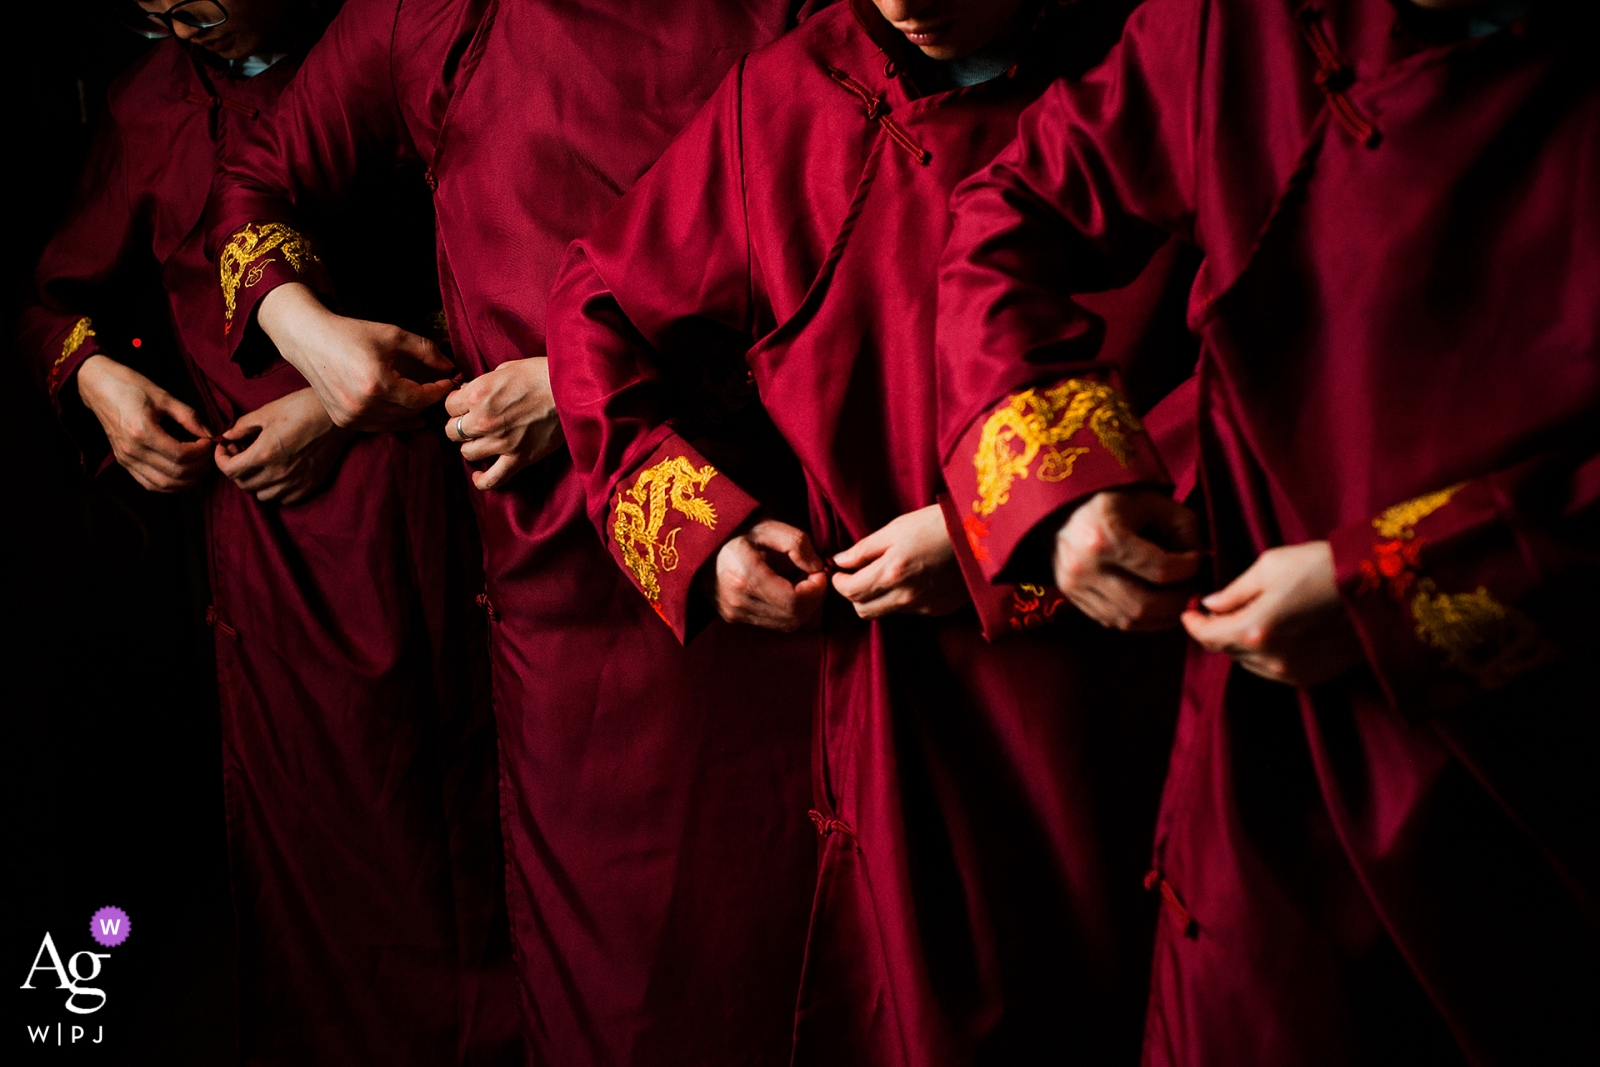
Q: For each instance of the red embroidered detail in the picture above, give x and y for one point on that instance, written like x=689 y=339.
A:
x=1034 y=609
x=827 y=824
x=655 y=606
x=487 y=605
x=976 y=530
x=214 y=620
x=1393 y=564
x=1156 y=881
x=1333 y=78
x=878 y=111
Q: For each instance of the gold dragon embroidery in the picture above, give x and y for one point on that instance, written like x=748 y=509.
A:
x=1043 y=421
x=81 y=331
x=1398 y=523
x=242 y=262
x=642 y=510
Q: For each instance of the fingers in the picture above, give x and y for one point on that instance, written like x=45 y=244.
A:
x=410 y=397
x=182 y=414
x=747 y=590
x=457 y=404
x=1233 y=633
x=482 y=449
x=1237 y=593
x=503 y=469
x=1148 y=560
x=425 y=352
x=873 y=604
x=809 y=593
x=1176 y=527
x=795 y=544
x=868 y=583
x=1109 y=529
x=864 y=551
x=245 y=425
x=1123 y=603
x=172 y=463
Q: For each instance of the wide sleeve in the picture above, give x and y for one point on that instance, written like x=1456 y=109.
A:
x=1468 y=587
x=1101 y=174
x=302 y=158
x=74 y=276
x=660 y=295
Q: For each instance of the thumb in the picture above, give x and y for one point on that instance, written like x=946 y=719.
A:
x=793 y=543
x=502 y=468
x=242 y=427
x=1233 y=596
x=862 y=552
x=425 y=352
x=182 y=414
x=419 y=396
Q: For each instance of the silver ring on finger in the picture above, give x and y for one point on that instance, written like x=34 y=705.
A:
x=461 y=434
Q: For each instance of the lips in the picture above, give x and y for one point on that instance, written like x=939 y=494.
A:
x=924 y=35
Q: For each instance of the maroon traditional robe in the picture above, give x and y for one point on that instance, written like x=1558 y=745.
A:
x=1400 y=315
x=985 y=810
x=653 y=799
x=358 y=746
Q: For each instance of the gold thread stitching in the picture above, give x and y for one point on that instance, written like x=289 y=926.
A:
x=1455 y=623
x=1398 y=523
x=81 y=331
x=247 y=247
x=642 y=510
x=1480 y=636
x=1042 y=421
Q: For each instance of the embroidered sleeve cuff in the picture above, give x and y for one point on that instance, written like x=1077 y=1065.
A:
x=1038 y=451
x=668 y=519
x=1430 y=585
x=1002 y=609
x=257 y=259
x=77 y=345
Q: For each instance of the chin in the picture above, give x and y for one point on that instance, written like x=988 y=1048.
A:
x=941 y=53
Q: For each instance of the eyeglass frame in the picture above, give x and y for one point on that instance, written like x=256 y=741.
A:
x=149 y=25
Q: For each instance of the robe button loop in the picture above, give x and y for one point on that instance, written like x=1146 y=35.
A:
x=433 y=183
x=215 y=621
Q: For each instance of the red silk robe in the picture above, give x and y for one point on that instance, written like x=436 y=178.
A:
x=984 y=819
x=358 y=749
x=1401 y=355
x=653 y=799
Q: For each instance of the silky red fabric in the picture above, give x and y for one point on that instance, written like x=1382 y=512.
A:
x=653 y=798
x=985 y=810
x=357 y=743
x=1401 y=355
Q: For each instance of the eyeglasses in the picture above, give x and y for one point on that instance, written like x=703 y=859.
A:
x=195 y=14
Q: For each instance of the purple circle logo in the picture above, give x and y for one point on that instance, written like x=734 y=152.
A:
x=109 y=927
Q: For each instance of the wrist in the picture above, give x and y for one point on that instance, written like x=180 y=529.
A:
x=88 y=378
x=288 y=311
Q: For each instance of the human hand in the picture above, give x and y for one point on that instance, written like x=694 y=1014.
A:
x=1115 y=574
x=906 y=566
x=130 y=408
x=282 y=451
x=368 y=375
x=507 y=415
x=745 y=586
x=1282 y=618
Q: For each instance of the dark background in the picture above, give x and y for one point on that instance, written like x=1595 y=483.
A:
x=113 y=750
